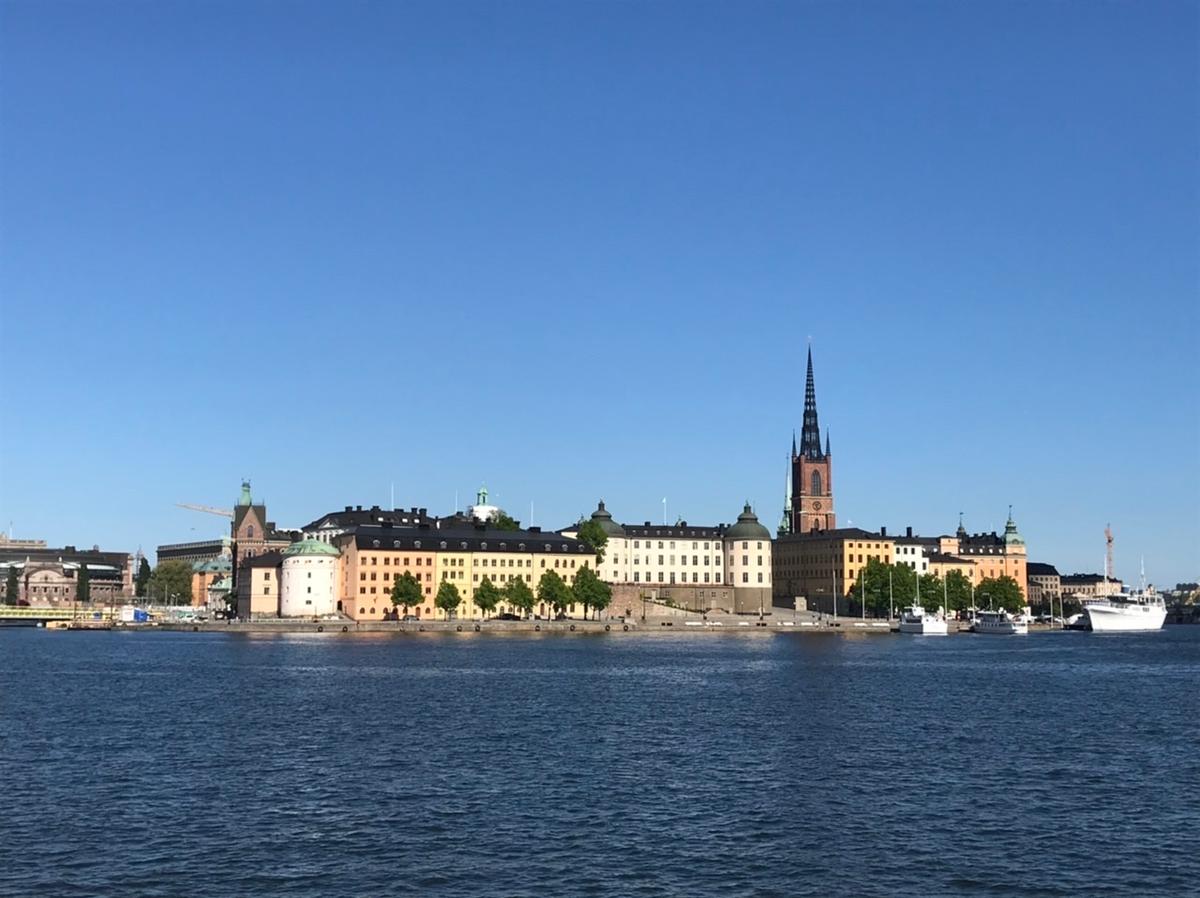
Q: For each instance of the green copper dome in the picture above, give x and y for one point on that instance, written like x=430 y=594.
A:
x=747 y=526
x=604 y=518
x=310 y=547
x=1011 y=537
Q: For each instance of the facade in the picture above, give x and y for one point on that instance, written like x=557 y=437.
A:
x=913 y=552
x=1043 y=582
x=252 y=533
x=994 y=555
x=373 y=557
x=257 y=586
x=206 y=573
x=50 y=576
x=809 y=505
x=329 y=527
x=688 y=563
x=941 y=564
x=819 y=565
x=1089 y=586
x=308 y=579
x=196 y=552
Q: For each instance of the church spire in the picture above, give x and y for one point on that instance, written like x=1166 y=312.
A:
x=827 y=452
x=810 y=433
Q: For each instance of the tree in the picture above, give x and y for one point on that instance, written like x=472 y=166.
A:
x=142 y=579
x=958 y=590
x=171 y=582
x=83 y=586
x=553 y=591
x=501 y=521
x=590 y=591
x=12 y=585
x=593 y=534
x=406 y=591
x=448 y=598
x=1000 y=592
x=519 y=595
x=931 y=592
x=888 y=587
x=487 y=596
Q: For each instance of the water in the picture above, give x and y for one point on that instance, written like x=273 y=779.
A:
x=157 y=764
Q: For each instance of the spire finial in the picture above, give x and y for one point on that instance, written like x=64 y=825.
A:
x=827 y=452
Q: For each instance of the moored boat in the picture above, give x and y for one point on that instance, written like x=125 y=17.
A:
x=918 y=621
x=1000 y=623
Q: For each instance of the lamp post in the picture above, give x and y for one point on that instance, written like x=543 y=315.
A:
x=891 y=599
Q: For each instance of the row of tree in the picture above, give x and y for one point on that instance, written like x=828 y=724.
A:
x=887 y=588
x=587 y=590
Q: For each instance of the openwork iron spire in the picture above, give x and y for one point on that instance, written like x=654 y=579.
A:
x=810 y=433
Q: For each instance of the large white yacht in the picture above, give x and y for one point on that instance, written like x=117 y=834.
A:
x=1000 y=623
x=1127 y=612
x=920 y=622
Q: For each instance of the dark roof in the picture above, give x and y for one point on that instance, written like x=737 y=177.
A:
x=266 y=559
x=1037 y=569
x=66 y=553
x=836 y=533
x=357 y=516
x=680 y=530
x=914 y=540
x=240 y=511
x=944 y=558
x=1086 y=578
x=476 y=539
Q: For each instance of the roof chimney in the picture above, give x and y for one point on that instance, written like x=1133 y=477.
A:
x=883 y=531
x=908 y=531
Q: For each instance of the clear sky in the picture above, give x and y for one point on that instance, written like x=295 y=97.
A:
x=576 y=250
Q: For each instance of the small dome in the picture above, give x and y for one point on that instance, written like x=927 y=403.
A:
x=310 y=547
x=604 y=518
x=747 y=526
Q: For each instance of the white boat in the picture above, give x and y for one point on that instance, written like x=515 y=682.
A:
x=1000 y=623
x=919 y=622
x=1127 y=612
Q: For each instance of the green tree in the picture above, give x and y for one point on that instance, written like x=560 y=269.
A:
x=171 y=583
x=12 y=585
x=1000 y=592
x=553 y=591
x=519 y=596
x=487 y=596
x=501 y=521
x=142 y=579
x=958 y=590
x=406 y=591
x=888 y=588
x=593 y=534
x=83 y=585
x=590 y=591
x=448 y=598
x=931 y=592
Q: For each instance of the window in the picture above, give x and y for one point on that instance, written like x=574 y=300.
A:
x=745 y=577
x=816 y=483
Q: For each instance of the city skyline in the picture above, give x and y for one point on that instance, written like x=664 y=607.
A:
x=582 y=257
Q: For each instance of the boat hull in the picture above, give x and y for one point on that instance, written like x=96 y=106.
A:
x=1133 y=619
x=924 y=628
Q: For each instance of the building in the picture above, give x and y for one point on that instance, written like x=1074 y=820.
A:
x=375 y=556
x=329 y=527
x=942 y=564
x=810 y=485
x=686 y=563
x=206 y=573
x=1043 y=582
x=50 y=576
x=1088 y=586
x=257 y=585
x=993 y=555
x=811 y=569
x=913 y=552
x=252 y=533
x=196 y=552
x=308 y=579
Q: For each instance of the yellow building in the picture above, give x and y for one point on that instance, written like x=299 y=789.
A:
x=258 y=585
x=821 y=564
x=373 y=557
x=993 y=555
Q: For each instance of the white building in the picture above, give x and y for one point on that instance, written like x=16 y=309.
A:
x=308 y=579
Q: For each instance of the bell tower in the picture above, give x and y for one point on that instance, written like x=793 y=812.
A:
x=812 y=470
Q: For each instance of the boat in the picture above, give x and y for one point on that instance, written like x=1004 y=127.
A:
x=1000 y=623
x=918 y=621
x=1127 y=612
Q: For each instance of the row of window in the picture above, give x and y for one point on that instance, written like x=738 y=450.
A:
x=637 y=544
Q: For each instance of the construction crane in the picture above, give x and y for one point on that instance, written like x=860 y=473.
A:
x=1108 y=555
x=207 y=509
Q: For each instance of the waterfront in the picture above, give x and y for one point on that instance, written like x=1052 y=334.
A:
x=164 y=764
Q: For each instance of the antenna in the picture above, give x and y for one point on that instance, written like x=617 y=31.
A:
x=1108 y=552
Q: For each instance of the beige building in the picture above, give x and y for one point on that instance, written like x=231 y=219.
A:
x=1088 y=586
x=258 y=586
x=374 y=557
x=690 y=564
x=1044 y=584
x=815 y=567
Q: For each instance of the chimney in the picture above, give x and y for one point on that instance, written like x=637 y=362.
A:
x=348 y=508
x=883 y=531
x=358 y=508
x=908 y=531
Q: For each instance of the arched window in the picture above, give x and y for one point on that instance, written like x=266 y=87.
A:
x=816 y=483
x=250 y=531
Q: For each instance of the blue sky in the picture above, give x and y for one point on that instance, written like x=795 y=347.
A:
x=576 y=250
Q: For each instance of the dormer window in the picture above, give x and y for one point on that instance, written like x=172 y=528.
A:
x=375 y=543
x=483 y=546
x=503 y=547
x=396 y=543
x=521 y=546
x=443 y=544
x=463 y=544
x=416 y=544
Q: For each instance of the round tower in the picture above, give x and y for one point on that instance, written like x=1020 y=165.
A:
x=308 y=579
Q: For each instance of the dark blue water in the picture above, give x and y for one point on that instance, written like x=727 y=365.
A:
x=156 y=764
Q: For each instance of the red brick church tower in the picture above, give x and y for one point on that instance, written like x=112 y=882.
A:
x=812 y=470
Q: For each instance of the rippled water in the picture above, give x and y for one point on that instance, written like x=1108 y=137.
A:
x=157 y=764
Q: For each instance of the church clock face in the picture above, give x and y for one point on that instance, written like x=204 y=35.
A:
x=816 y=506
